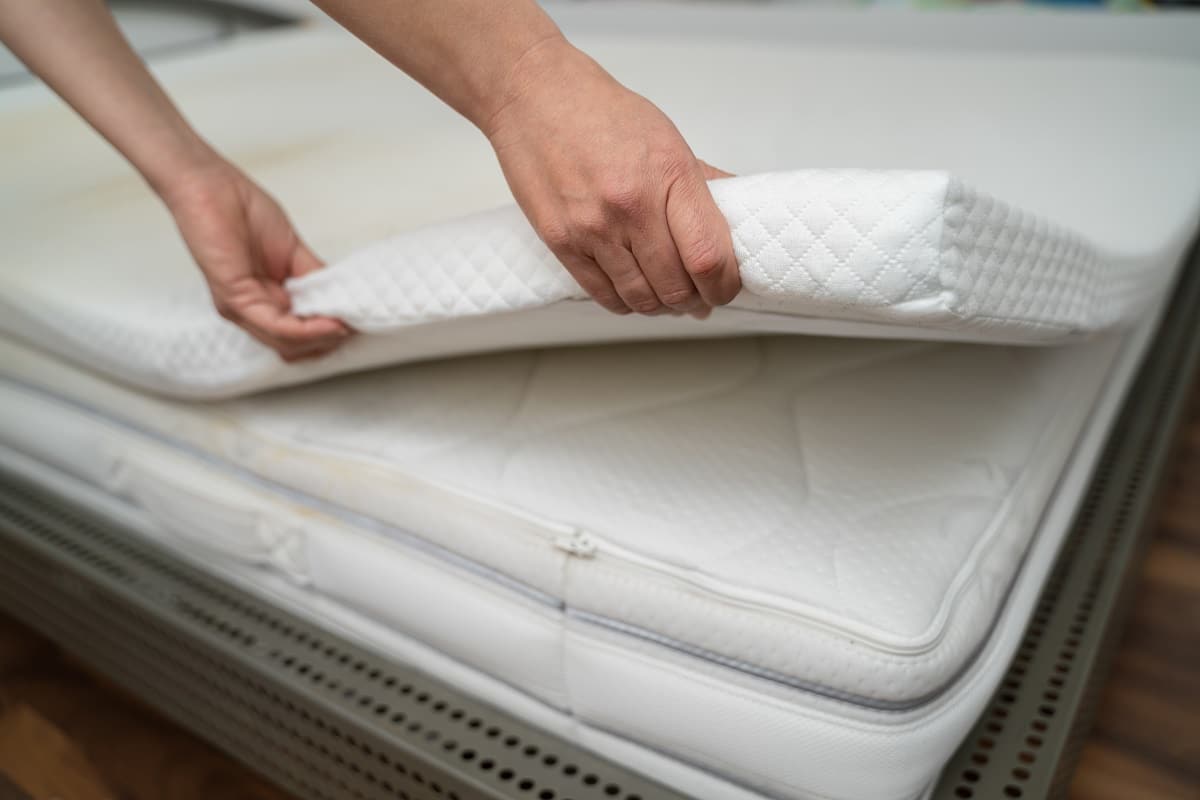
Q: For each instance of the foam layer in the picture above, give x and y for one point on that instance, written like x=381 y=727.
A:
x=885 y=251
x=903 y=249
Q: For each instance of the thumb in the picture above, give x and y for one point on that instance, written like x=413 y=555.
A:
x=702 y=238
x=304 y=260
x=712 y=173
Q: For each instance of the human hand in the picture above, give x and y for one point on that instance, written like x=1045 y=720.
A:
x=611 y=187
x=246 y=247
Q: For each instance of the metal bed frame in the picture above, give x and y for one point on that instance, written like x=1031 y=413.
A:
x=328 y=719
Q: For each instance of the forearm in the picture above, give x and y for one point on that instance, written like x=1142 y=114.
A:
x=467 y=52
x=77 y=49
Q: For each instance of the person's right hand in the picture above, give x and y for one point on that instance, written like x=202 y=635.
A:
x=611 y=187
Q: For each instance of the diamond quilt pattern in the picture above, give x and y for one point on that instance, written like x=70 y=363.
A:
x=485 y=263
x=899 y=254
x=910 y=249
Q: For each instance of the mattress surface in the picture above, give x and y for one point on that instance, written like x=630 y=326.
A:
x=901 y=246
x=747 y=511
x=836 y=522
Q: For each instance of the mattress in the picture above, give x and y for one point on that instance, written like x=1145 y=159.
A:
x=753 y=566
x=823 y=535
x=903 y=245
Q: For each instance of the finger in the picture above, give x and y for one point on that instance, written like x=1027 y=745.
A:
x=591 y=279
x=292 y=356
x=294 y=352
x=304 y=260
x=287 y=332
x=712 y=173
x=277 y=295
x=655 y=252
x=622 y=269
x=702 y=236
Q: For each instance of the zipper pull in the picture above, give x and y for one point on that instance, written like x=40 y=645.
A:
x=577 y=543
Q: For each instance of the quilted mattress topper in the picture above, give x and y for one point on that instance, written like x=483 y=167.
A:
x=903 y=254
x=918 y=252
x=885 y=250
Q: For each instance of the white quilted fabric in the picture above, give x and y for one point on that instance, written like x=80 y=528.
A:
x=93 y=269
x=751 y=501
x=901 y=253
x=910 y=249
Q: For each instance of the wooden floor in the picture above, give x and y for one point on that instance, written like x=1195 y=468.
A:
x=1146 y=741
x=66 y=734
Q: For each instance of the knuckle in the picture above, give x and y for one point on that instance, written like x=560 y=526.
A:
x=704 y=259
x=593 y=226
x=556 y=234
x=611 y=302
x=647 y=305
x=226 y=310
x=623 y=198
x=675 y=165
x=682 y=296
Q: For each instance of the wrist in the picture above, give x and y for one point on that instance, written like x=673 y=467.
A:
x=551 y=59
x=187 y=175
x=177 y=170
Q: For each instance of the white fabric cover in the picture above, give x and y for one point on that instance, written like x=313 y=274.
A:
x=892 y=249
x=725 y=566
x=902 y=248
x=752 y=501
x=909 y=252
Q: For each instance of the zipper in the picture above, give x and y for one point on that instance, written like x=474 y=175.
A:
x=586 y=545
x=576 y=543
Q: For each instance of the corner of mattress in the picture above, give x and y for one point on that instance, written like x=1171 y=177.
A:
x=948 y=264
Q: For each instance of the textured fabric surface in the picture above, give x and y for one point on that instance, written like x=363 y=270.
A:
x=906 y=248
x=94 y=270
x=752 y=501
x=902 y=252
x=754 y=550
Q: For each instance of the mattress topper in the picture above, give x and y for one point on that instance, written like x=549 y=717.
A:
x=885 y=250
x=902 y=249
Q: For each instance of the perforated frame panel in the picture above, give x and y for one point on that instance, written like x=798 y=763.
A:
x=329 y=720
x=320 y=716
x=1027 y=742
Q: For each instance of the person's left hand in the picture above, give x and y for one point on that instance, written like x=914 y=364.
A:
x=246 y=247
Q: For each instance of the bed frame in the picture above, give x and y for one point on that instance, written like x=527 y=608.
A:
x=330 y=720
